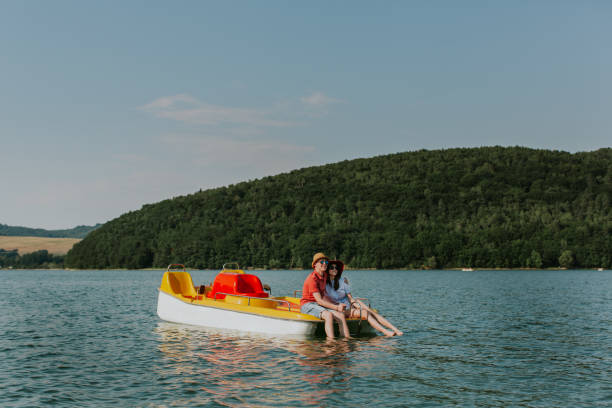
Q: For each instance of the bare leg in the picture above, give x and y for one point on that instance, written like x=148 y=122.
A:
x=380 y=319
x=364 y=314
x=374 y=323
x=329 y=323
x=342 y=325
x=386 y=323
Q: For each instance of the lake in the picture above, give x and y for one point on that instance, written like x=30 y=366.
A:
x=482 y=338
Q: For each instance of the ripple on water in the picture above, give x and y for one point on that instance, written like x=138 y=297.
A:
x=502 y=338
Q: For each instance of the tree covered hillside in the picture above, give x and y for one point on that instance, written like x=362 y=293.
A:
x=478 y=207
x=77 y=232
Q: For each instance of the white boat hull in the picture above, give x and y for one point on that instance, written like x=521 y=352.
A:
x=171 y=309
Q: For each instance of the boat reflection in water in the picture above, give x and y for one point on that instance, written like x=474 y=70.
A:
x=208 y=366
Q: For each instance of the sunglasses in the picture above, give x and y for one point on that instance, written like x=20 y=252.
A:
x=323 y=262
x=333 y=267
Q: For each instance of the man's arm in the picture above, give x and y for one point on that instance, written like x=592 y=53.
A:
x=325 y=303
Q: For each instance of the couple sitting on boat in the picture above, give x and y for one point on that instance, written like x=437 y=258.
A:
x=328 y=297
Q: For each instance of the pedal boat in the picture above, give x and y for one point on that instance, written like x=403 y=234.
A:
x=237 y=301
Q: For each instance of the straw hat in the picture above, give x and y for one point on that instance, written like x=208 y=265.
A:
x=317 y=257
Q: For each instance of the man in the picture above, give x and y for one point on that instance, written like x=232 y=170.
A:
x=313 y=302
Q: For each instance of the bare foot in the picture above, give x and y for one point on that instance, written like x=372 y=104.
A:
x=388 y=333
x=398 y=332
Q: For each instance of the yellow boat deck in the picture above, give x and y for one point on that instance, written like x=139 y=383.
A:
x=180 y=285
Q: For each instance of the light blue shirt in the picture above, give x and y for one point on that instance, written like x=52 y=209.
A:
x=340 y=295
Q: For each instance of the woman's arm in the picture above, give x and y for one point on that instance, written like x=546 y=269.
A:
x=330 y=300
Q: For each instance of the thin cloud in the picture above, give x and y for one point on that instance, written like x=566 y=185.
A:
x=168 y=102
x=319 y=99
x=185 y=108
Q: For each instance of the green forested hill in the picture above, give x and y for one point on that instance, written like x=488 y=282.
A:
x=478 y=207
x=77 y=232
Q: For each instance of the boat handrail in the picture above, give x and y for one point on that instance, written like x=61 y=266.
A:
x=249 y=297
x=295 y=292
x=357 y=305
x=172 y=266
x=231 y=263
x=363 y=299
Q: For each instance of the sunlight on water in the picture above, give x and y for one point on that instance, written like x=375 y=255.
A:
x=243 y=368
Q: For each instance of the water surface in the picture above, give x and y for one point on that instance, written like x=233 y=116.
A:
x=483 y=338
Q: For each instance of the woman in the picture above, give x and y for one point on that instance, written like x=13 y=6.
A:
x=338 y=291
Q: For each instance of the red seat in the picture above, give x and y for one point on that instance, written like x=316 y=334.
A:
x=236 y=284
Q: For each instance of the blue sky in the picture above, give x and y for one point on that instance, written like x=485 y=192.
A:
x=106 y=106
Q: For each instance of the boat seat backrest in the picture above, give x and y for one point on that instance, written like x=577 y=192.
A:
x=248 y=284
x=180 y=283
x=236 y=283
